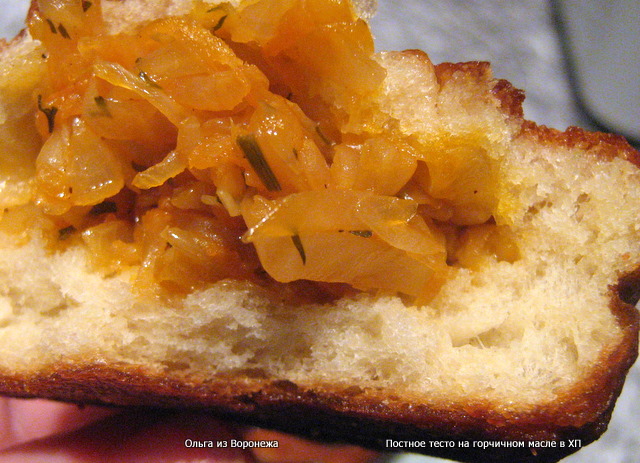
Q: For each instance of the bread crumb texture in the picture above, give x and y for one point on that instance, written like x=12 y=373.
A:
x=522 y=330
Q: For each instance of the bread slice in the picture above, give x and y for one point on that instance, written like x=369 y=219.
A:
x=512 y=359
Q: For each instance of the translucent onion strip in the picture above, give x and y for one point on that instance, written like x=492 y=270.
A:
x=117 y=75
x=159 y=173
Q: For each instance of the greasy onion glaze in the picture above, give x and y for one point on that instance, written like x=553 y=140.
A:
x=246 y=143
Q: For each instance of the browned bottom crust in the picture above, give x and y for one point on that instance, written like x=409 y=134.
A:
x=366 y=417
x=325 y=415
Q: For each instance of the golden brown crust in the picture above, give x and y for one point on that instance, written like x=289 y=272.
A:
x=476 y=70
x=5 y=46
x=33 y=8
x=510 y=97
x=607 y=146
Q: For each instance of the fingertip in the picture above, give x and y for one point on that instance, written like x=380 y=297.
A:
x=23 y=420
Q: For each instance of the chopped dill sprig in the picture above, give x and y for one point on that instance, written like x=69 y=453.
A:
x=297 y=242
x=101 y=103
x=362 y=233
x=249 y=145
x=49 y=112
x=322 y=136
x=148 y=80
x=52 y=27
x=63 y=31
x=219 y=24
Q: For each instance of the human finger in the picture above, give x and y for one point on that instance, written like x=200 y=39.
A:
x=139 y=436
x=292 y=449
x=23 y=420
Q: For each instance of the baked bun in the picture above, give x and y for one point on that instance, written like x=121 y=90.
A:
x=418 y=262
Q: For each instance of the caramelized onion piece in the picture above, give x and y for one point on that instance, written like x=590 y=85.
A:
x=76 y=168
x=241 y=138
